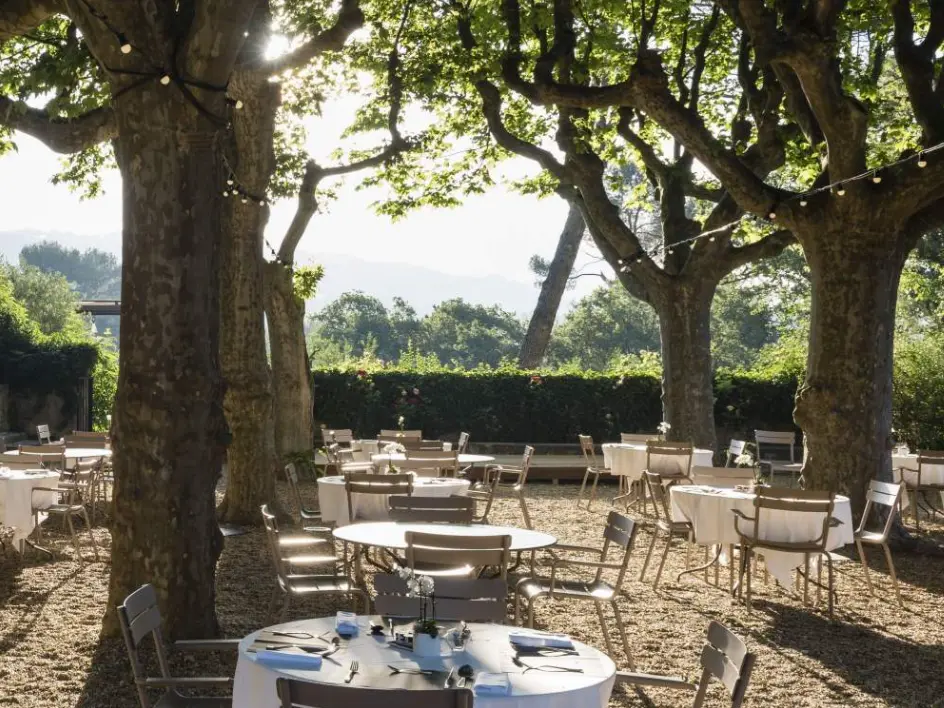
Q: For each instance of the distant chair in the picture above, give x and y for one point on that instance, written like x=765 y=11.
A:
x=454 y=555
x=672 y=461
x=463 y=445
x=42 y=434
x=83 y=438
x=394 y=435
x=430 y=463
x=468 y=599
x=736 y=448
x=139 y=616
x=484 y=494
x=664 y=524
x=885 y=498
x=342 y=459
x=628 y=438
x=776 y=449
x=342 y=436
x=19 y=462
x=432 y=510
x=513 y=479
x=295 y=693
x=619 y=533
x=755 y=537
x=71 y=503
x=305 y=514
x=917 y=484
x=52 y=456
x=723 y=476
x=593 y=468
x=290 y=584
x=725 y=657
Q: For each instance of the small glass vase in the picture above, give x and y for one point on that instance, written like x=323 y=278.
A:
x=426 y=645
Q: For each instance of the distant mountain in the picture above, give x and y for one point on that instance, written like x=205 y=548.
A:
x=420 y=286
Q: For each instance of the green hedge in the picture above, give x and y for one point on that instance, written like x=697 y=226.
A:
x=513 y=406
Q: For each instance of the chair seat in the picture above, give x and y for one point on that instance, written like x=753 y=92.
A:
x=785 y=546
x=172 y=699
x=674 y=527
x=300 y=584
x=311 y=559
x=63 y=509
x=535 y=587
x=302 y=541
x=357 y=466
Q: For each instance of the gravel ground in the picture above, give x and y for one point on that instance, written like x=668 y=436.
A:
x=873 y=654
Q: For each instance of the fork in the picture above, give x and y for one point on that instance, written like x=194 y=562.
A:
x=351 y=672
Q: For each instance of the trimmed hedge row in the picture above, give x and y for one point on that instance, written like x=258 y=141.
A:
x=511 y=406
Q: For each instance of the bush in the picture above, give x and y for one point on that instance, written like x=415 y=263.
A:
x=918 y=398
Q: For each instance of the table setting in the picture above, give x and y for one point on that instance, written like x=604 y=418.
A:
x=17 y=499
x=332 y=497
x=504 y=666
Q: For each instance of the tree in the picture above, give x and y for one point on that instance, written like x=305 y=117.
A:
x=603 y=326
x=359 y=322
x=468 y=335
x=49 y=300
x=538 y=335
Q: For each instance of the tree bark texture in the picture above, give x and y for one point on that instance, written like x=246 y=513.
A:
x=844 y=405
x=291 y=380
x=687 y=378
x=251 y=460
x=538 y=336
x=168 y=421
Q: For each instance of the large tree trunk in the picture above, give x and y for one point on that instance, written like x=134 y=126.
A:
x=251 y=462
x=845 y=403
x=285 y=313
x=168 y=421
x=538 y=335
x=687 y=381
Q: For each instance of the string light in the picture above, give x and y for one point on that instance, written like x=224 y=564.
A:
x=877 y=177
x=165 y=80
x=922 y=160
x=772 y=215
x=125 y=45
x=803 y=202
x=841 y=190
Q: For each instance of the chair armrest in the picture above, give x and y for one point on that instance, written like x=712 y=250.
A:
x=585 y=564
x=574 y=549
x=738 y=515
x=653 y=680
x=195 y=682
x=207 y=644
x=52 y=489
x=834 y=522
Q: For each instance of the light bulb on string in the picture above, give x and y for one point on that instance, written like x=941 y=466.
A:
x=711 y=239
x=772 y=215
x=671 y=251
x=877 y=177
x=165 y=79
x=225 y=193
x=803 y=202
x=245 y=200
x=124 y=44
x=262 y=202
x=841 y=190
x=230 y=181
x=922 y=159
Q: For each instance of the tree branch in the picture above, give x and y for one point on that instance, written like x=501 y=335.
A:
x=767 y=247
x=17 y=17
x=350 y=18
x=917 y=66
x=63 y=135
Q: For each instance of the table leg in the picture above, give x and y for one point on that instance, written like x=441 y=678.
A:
x=702 y=567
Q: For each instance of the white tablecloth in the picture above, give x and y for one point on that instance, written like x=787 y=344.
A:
x=710 y=512
x=487 y=650
x=629 y=459
x=75 y=453
x=392 y=534
x=16 y=492
x=364 y=449
x=332 y=498
x=464 y=460
x=930 y=474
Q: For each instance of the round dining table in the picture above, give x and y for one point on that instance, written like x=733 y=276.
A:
x=392 y=534
x=535 y=681
x=17 y=499
x=629 y=459
x=710 y=510
x=464 y=459
x=332 y=497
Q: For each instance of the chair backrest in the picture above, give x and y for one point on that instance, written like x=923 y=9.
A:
x=291 y=476
x=42 y=433
x=725 y=657
x=463 y=443
x=929 y=457
x=19 y=462
x=84 y=475
x=797 y=501
x=660 y=497
x=885 y=497
x=138 y=617
x=397 y=434
x=303 y=694
x=342 y=436
x=736 y=448
x=84 y=438
x=430 y=463
x=638 y=437
x=461 y=553
x=469 y=599
x=767 y=439
x=432 y=510
x=272 y=537
x=369 y=483
x=588 y=450
x=525 y=464
x=722 y=476
x=669 y=459
x=50 y=456
x=620 y=531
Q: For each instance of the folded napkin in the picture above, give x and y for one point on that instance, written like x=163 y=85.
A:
x=288 y=659
x=487 y=684
x=530 y=638
x=346 y=623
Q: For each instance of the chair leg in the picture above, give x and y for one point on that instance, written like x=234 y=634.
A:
x=284 y=613
x=91 y=535
x=865 y=566
x=273 y=603
x=516 y=600
x=531 y=613
x=645 y=564
x=749 y=553
x=665 y=553
x=583 y=486
x=604 y=629
x=622 y=631
x=891 y=571
x=75 y=541
x=806 y=578
x=524 y=509
x=829 y=582
x=593 y=489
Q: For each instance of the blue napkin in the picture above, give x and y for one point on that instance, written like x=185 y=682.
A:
x=487 y=684
x=346 y=623
x=526 y=638
x=288 y=659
